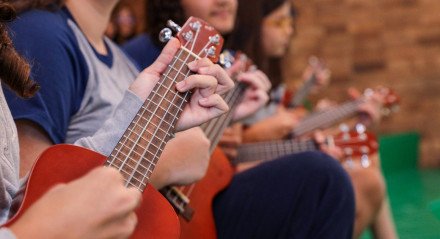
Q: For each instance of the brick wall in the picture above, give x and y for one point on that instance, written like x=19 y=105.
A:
x=366 y=43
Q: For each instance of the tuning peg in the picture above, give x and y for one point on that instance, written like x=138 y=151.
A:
x=215 y=39
x=365 y=161
x=349 y=162
x=344 y=128
x=360 y=128
x=368 y=92
x=210 y=51
x=226 y=59
x=165 y=35
x=174 y=26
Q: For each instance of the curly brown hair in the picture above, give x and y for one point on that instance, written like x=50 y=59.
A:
x=14 y=70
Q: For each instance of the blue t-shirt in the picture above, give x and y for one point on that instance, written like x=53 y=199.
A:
x=71 y=73
x=142 y=50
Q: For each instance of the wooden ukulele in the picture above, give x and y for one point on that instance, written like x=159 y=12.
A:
x=328 y=117
x=356 y=143
x=140 y=147
x=194 y=202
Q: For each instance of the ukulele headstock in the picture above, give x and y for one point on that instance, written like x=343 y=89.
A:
x=317 y=65
x=387 y=97
x=319 y=71
x=355 y=143
x=391 y=100
x=201 y=39
x=229 y=57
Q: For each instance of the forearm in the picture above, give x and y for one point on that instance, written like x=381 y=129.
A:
x=184 y=159
x=106 y=138
x=261 y=131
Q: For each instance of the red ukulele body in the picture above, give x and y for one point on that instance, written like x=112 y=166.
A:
x=218 y=176
x=65 y=163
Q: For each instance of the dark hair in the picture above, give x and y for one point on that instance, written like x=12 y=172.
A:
x=14 y=70
x=158 y=13
x=246 y=36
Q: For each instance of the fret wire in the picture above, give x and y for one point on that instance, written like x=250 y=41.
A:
x=141 y=156
x=168 y=101
x=136 y=134
x=191 y=53
x=170 y=125
x=163 y=131
x=142 y=108
x=144 y=128
x=155 y=125
x=169 y=189
x=129 y=164
x=185 y=97
x=132 y=184
x=157 y=128
x=180 y=73
x=155 y=156
x=192 y=186
x=119 y=151
x=175 y=118
x=136 y=179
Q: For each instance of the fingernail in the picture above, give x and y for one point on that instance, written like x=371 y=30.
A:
x=191 y=65
x=181 y=85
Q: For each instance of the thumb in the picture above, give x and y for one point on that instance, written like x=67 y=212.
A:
x=165 y=57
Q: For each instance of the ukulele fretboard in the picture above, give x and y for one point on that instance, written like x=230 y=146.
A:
x=140 y=147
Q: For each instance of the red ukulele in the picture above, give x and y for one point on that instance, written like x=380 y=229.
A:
x=138 y=150
x=354 y=144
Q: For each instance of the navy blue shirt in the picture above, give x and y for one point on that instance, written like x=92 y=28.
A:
x=142 y=50
x=58 y=65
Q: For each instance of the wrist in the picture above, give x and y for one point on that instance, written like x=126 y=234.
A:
x=160 y=177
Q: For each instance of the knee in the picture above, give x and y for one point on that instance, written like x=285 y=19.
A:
x=321 y=169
